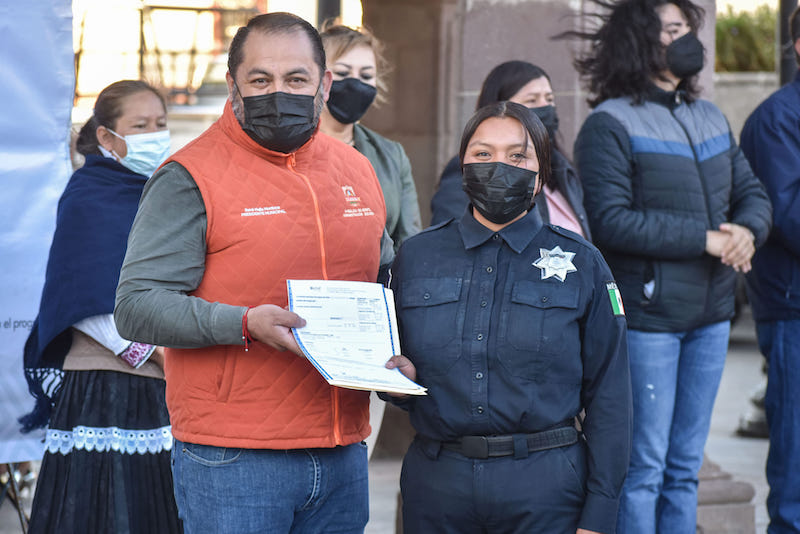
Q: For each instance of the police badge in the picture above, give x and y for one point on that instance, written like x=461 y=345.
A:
x=555 y=262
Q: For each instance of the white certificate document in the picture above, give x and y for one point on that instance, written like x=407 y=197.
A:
x=350 y=333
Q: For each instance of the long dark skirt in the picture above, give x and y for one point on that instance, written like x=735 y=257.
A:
x=106 y=467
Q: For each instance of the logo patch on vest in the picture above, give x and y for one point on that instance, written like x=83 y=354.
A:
x=355 y=201
x=350 y=195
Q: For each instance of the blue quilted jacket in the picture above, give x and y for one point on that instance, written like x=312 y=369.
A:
x=771 y=142
x=656 y=177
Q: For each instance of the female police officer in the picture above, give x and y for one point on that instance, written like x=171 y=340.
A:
x=514 y=327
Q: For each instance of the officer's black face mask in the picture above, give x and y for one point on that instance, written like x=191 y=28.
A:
x=498 y=191
x=549 y=118
x=349 y=99
x=685 y=56
x=282 y=122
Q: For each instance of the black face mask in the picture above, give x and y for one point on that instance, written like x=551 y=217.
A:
x=349 y=99
x=282 y=122
x=685 y=56
x=549 y=118
x=498 y=191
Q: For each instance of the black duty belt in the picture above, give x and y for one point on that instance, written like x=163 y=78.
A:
x=518 y=445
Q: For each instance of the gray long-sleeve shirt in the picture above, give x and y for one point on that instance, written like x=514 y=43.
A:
x=165 y=260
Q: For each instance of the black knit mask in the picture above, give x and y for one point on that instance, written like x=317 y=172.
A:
x=685 y=56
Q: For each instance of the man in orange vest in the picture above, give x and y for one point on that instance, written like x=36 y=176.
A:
x=262 y=442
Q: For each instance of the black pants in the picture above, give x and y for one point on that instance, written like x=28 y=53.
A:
x=445 y=492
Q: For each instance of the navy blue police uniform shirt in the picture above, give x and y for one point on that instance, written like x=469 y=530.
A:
x=505 y=346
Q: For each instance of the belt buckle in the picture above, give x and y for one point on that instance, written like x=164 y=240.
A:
x=476 y=447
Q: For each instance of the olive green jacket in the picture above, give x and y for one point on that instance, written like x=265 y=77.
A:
x=394 y=174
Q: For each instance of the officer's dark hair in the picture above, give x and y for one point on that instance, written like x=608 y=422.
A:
x=530 y=123
x=794 y=30
x=107 y=110
x=271 y=23
x=625 y=53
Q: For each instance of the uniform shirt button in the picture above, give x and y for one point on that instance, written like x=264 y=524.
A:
x=489 y=269
x=480 y=409
x=544 y=299
x=426 y=296
x=483 y=304
x=478 y=375
x=496 y=237
x=480 y=337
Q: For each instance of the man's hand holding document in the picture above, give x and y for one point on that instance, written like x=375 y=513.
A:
x=350 y=333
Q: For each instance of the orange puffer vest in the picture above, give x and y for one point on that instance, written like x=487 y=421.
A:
x=315 y=214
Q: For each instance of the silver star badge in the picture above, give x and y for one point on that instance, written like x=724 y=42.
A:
x=555 y=262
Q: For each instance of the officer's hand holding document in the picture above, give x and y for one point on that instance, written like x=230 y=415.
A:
x=350 y=333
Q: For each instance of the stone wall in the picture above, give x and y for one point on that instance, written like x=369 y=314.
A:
x=738 y=93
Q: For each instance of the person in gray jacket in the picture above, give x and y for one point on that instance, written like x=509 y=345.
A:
x=676 y=211
x=355 y=58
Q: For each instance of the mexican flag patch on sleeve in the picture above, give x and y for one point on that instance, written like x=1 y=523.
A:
x=615 y=298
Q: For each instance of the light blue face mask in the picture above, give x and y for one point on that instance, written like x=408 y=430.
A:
x=146 y=151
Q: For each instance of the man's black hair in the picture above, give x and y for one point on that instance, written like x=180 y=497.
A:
x=275 y=23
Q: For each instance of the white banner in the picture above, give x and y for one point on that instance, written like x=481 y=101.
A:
x=37 y=73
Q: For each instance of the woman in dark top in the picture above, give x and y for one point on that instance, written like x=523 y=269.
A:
x=562 y=202
x=515 y=328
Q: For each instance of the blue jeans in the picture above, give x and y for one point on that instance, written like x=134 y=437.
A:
x=779 y=341
x=238 y=491
x=675 y=377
